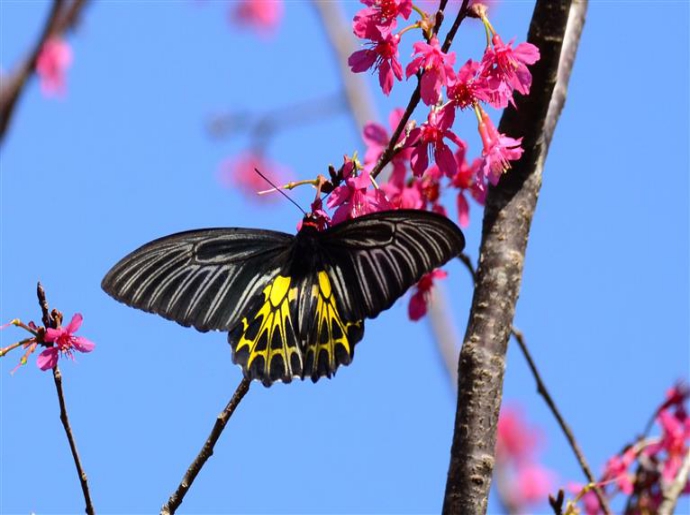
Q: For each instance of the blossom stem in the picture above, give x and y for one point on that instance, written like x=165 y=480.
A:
x=290 y=186
x=419 y=11
x=207 y=450
x=409 y=28
x=57 y=376
x=14 y=346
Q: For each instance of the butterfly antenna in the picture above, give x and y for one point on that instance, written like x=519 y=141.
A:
x=279 y=190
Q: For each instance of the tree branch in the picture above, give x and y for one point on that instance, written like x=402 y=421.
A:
x=53 y=320
x=83 y=480
x=207 y=450
x=61 y=18
x=671 y=494
x=507 y=219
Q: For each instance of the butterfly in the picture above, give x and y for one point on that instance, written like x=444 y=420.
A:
x=293 y=305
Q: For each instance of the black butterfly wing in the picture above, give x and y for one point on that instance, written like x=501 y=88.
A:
x=204 y=278
x=372 y=260
x=294 y=330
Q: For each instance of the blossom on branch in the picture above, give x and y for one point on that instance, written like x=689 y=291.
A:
x=64 y=343
x=509 y=64
x=380 y=17
x=431 y=136
x=382 y=56
x=498 y=150
x=355 y=198
x=51 y=66
x=437 y=66
x=419 y=302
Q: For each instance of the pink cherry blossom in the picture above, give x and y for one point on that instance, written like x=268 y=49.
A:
x=510 y=64
x=420 y=298
x=51 y=66
x=377 y=138
x=404 y=196
x=437 y=66
x=616 y=470
x=515 y=440
x=431 y=135
x=532 y=484
x=498 y=150
x=467 y=179
x=464 y=89
x=240 y=172
x=380 y=17
x=262 y=15
x=674 y=441
x=65 y=342
x=355 y=198
x=382 y=55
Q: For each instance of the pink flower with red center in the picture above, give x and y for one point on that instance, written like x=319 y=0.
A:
x=262 y=15
x=464 y=89
x=51 y=66
x=65 y=342
x=498 y=150
x=510 y=65
x=383 y=55
x=437 y=66
x=431 y=136
x=420 y=298
x=240 y=172
x=380 y=17
x=616 y=469
x=354 y=198
x=377 y=138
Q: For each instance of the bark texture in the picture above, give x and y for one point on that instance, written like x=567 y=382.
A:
x=507 y=219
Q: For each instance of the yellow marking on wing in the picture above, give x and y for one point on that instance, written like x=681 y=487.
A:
x=274 y=315
x=327 y=318
x=324 y=284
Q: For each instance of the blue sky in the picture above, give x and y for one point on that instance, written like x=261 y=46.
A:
x=125 y=158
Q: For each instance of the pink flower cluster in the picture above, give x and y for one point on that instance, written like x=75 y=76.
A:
x=645 y=468
x=521 y=480
x=492 y=81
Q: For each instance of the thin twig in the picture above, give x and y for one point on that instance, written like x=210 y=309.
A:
x=61 y=18
x=673 y=491
x=206 y=451
x=53 y=321
x=544 y=392
x=57 y=376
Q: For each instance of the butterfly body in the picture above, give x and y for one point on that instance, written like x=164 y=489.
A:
x=293 y=305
